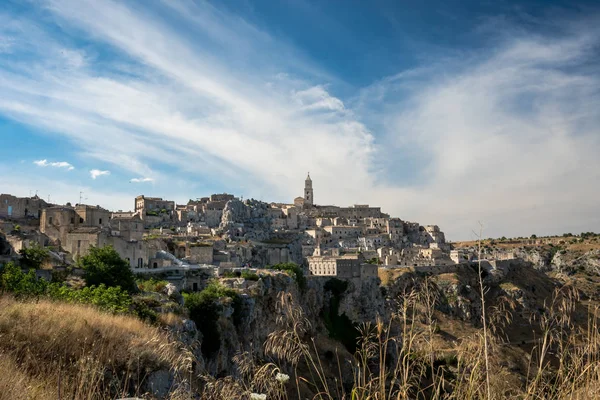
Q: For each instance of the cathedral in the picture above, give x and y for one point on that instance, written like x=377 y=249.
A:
x=308 y=200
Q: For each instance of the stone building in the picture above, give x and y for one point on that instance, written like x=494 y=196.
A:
x=21 y=207
x=222 y=197
x=92 y=216
x=80 y=240
x=129 y=229
x=199 y=253
x=347 y=266
x=344 y=231
x=154 y=211
x=56 y=222
x=308 y=192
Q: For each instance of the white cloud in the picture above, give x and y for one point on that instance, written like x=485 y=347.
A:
x=58 y=164
x=508 y=136
x=95 y=173
x=141 y=180
x=317 y=98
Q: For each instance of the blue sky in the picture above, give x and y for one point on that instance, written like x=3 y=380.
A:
x=441 y=112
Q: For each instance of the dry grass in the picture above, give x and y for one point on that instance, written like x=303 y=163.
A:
x=406 y=358
x=88 y=353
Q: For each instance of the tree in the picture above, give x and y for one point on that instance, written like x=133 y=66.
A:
x=33 y=256
x=103 y=265
x=534 y=236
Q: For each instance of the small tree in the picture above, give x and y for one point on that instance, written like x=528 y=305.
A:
x=533 y=236
x=103 y=265
x=33 y=256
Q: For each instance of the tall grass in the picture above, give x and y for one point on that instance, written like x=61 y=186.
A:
x=67 y=351
x=55 y=350
x=402 y=357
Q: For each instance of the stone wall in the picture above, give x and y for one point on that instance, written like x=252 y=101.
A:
x=199 y=254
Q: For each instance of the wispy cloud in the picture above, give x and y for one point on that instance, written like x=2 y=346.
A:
x=95 y=173
x=57 y=164
x=507 y=135
x=141 y=180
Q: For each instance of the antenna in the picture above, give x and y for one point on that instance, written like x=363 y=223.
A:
x=81 y=198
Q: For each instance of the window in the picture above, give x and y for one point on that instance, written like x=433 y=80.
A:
x=140 y=262
x=72 y=220
x=50 y=220
x=78 y=244
x=81 y=220
x=195 y=287
x=100 y=221
x=155 y=265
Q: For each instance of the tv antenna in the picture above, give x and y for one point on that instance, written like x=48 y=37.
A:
x=81 y=198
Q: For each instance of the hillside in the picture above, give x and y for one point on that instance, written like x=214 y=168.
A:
x=55 y=350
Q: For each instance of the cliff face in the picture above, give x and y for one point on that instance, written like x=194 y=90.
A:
x=564 y=261
x=249 y=219
x=247 y=328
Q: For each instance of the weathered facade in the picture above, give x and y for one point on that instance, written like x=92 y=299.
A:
x=21 y=207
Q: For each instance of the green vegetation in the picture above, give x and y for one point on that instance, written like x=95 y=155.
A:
x=292 y=269
x=251 y=276
x=25 y=285
x=339 y=326
x=205 y=308
x=151 y=285
x=374 y=261
x=104 y=266
x=33 y=256
x=153 y=213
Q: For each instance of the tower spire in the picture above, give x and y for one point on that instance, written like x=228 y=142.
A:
x=308 y=192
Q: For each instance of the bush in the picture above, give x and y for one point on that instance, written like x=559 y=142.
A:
x=111 y=299
x=104 y=266
x=151 y=285
x=33 y=256
x=21 y=284
x=250 y=276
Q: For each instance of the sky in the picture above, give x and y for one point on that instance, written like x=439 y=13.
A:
x=441 y=112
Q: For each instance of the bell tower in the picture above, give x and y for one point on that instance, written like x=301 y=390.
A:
x=308 y=191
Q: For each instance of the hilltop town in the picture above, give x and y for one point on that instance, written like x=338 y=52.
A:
x=219 y=279
x=221 y=232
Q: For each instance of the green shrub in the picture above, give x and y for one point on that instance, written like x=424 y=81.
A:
x=111 y=299
x=33 y=256
x=104 y=266
x=21 y=284
x=250 y=276
x=151 y=285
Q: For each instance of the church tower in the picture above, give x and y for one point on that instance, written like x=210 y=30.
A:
x=308 y=192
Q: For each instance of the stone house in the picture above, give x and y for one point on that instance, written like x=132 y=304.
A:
x=154 y=210
x=21 y=207
x=347 y=266
x=130 y=229
x=57 y=221
x=199 y=253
